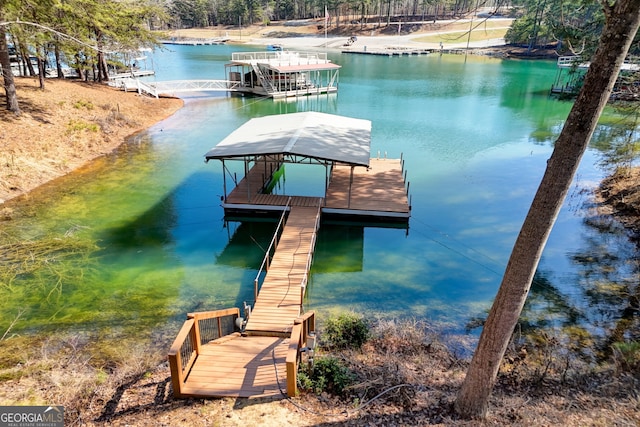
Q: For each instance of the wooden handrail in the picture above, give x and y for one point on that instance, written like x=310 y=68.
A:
x=182 y=355
x=302 y=326
x=272 y=245
x=210 y=326
x=303 y=284
x=211 y=314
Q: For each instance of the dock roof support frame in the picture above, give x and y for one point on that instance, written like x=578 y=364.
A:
x=350 y=185
x=224 y=181
x=246 y=174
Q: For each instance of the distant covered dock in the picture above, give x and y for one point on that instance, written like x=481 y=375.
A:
x=283 y=74
x=355 y=185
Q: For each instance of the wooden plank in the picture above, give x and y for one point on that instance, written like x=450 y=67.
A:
x=227 y=371
x=236 y=378
x=241 y=360
x=203 y=392
x=221 y=392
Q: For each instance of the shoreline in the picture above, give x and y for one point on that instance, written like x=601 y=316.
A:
x=48 y=124
x=451 y=34
x=444 y=35
x=66 y=126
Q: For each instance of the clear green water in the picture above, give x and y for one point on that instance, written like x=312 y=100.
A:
x=475 y=133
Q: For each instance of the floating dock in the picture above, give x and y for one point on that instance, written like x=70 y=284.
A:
x=378 y=192
x=195 y=42
x=274 y=74
x=390 y=51
x=355 y=184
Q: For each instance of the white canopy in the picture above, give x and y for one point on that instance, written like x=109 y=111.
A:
x=309 y=134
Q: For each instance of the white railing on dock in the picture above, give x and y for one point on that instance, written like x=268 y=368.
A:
x=171 y=87
x=282 y=57
x=130 y=84
x=174 y=86
x=571 y=61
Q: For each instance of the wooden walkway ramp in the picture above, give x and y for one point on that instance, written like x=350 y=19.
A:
x=280 y=297
x=208 y=359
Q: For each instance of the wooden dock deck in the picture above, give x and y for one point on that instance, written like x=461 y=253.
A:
x=379 y=191
x=209 y=358
x=239 y=366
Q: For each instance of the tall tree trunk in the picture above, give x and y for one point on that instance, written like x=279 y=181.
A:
x=26 y=58
x=388 y=12
x=622 y=20
x=58 y=62
x=7 y=74
x=81 y=67
x=42 y=67
x=103 y=68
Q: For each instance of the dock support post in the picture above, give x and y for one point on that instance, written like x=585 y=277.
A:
x=350 y=185
x=255 y=290
x=292 y=367
x=224 y=180
x=246 y=175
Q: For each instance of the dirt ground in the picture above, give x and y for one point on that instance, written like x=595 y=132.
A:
x=70 y=123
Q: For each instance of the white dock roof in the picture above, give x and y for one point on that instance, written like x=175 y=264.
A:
x=309 y=134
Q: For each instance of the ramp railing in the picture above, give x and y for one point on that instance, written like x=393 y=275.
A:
x=302 y=344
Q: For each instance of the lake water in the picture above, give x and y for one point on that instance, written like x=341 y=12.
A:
x=141 y=238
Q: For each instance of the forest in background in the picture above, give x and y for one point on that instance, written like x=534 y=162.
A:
x=90 y=36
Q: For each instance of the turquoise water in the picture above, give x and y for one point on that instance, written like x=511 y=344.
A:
x=475 y=134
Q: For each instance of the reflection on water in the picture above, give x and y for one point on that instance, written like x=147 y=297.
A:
x=139 y=238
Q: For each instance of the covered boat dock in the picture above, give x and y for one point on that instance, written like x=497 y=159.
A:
x=356 y=185
x=283 y=74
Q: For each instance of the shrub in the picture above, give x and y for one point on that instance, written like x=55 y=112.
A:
x=627 y=356
x=83 y=104
x=80 y=125
x=348 y=330
x=328 y=374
